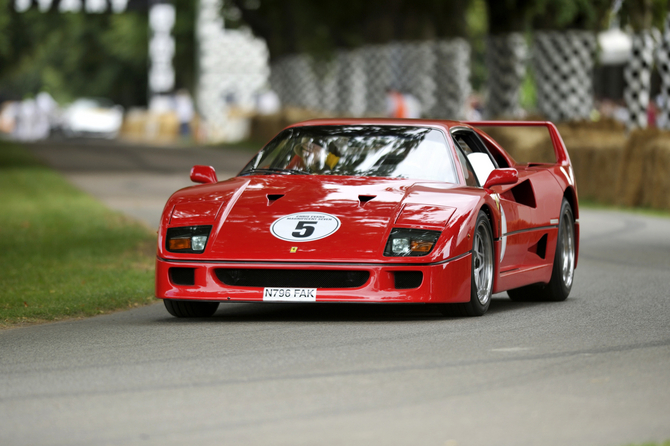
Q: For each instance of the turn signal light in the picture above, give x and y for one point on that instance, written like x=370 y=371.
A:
x=179 y=243
x=192 y=239
x=405 y=242
x=421 y=246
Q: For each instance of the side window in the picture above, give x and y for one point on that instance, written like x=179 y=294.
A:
x=479 y=159
x=468 y=172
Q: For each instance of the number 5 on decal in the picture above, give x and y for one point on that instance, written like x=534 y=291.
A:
x=304 y=225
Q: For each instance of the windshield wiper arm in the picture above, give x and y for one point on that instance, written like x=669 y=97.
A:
x=274 y=170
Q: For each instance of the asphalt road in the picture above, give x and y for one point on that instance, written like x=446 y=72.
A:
x=593 y=370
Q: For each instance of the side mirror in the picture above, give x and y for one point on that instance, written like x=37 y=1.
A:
x=499 y=177
x=203 y=174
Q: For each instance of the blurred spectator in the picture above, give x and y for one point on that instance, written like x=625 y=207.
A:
x=161 y=104
x=46 y=109
x=185 y=112
x=25 y=122
x=412 y=106
x=8 y=112
x=401 y=105
x=395 y=104
x=616 y=110
x=473 y=108
x=621 y=114
x=652 y=114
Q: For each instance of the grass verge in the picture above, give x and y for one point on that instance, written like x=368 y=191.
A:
x=62 y=253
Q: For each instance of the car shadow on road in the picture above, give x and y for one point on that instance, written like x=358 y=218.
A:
x=343 y=312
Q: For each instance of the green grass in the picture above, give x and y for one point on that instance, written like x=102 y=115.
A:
x=62 y=253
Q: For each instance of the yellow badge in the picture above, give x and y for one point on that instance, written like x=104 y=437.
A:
x=294 y=249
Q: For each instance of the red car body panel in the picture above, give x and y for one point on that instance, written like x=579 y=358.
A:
x=524 y=220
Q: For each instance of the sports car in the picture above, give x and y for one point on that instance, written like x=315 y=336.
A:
x=373 y=211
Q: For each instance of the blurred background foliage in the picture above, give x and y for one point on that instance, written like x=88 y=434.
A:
x=76 y=54
x=73 y=55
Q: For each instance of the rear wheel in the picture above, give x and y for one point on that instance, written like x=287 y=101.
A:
x=185 y=308
x=563 y=271
x=481 y=277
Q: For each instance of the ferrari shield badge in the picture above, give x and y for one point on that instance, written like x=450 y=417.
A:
x=305 y=226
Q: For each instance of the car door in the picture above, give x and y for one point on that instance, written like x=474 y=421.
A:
x=515 y=216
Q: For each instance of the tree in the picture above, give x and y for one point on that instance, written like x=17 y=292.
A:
x=570 y=14
x=506 y=54
x=296 y=26
x=637 y=72
x=564 y=49
x=72 y=55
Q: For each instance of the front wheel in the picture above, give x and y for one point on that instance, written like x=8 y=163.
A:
x=185 y=308
x=481 y=276
x=563 y=272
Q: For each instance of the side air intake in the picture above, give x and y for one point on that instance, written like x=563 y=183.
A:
x=522 y=193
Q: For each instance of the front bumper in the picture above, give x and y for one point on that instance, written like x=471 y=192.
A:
x=442 y=282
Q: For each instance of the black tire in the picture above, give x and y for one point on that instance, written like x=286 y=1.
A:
x=563 y=271
x=481 y=277
x=185 y=308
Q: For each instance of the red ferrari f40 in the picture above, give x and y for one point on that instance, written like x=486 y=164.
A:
x=373 y=210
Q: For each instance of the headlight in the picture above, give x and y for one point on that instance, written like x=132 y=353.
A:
x=187 y=239
x=410 y=242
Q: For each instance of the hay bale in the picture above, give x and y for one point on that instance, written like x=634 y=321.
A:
x=143 y=126
x=524 y=144
x=169 y=126
x=635 y=167
x=133 y=124
x=645 y=171
x=656 y=187
x=596 y=150
x=265 y=127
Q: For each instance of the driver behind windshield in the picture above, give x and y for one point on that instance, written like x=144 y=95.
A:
x=310 y=156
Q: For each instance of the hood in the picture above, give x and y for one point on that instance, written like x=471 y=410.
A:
x=310 y=218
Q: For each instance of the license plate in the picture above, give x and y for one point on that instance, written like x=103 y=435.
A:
x=289 y=294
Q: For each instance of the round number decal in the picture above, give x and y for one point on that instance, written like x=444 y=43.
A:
x=305 y=226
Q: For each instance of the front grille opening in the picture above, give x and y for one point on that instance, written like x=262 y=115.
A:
x=407 y=279
x=292 y=278
x=182 y=276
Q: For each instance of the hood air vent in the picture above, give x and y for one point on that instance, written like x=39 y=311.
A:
x=365 y=198
x=273 y=197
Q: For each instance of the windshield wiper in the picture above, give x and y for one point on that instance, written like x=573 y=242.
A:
x=274 y=171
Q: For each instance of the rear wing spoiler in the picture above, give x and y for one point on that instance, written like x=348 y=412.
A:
x=560 y=150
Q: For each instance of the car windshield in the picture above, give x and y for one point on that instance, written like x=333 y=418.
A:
x=370 y=151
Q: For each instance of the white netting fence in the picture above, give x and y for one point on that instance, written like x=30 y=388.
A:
x=563 y=66
x=356 y=82
x=452 y=79
x=351 y=82
x=506 y=56
x=637 y=75
x=232 y=69
x=663 y=64
x=437 y=74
